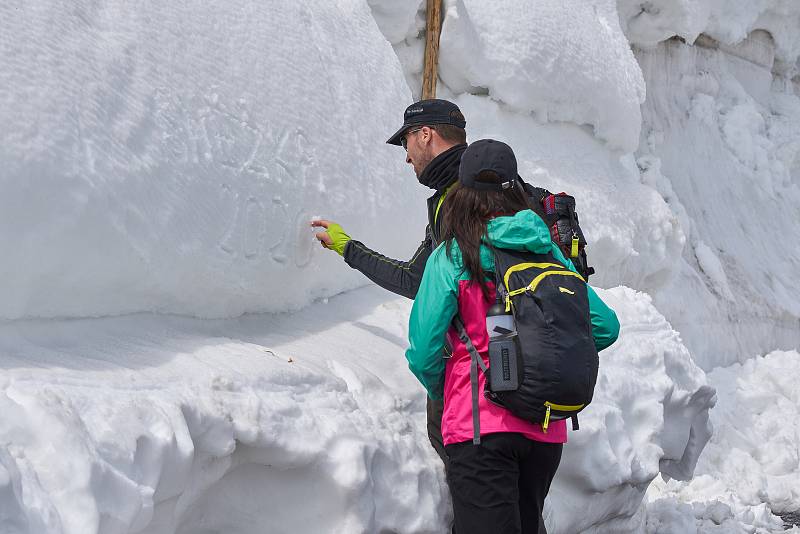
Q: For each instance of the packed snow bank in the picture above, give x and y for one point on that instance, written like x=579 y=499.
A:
x=168 y=158
x=307 y=423
x=298 y=423
x=403 y=24
x=398 y=21
x=721 y=144
x=649 y=415
x=634 y=236
x=751 y=466
x=562 y=62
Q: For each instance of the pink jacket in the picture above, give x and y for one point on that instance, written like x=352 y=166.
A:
x=457 y=417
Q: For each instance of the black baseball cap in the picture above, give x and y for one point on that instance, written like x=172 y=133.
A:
x=488 y=155
x=428 y=112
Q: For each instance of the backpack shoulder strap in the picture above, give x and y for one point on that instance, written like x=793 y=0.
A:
x=536 y=193
x=476 y=361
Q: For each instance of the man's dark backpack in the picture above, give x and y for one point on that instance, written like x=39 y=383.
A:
x=558 y=211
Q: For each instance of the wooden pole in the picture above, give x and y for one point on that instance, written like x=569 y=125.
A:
x=432 y=32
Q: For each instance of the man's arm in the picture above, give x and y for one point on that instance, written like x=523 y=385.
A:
x=400 y=277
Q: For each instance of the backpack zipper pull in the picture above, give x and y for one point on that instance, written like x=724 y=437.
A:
x=575 y=242
x=508 y=303
x=546 y=418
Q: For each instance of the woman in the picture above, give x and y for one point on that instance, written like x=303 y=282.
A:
x=498 y=486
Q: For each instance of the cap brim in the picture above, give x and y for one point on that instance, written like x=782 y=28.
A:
x=395 y=139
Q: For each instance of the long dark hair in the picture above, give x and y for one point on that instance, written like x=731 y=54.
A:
x=465 y=214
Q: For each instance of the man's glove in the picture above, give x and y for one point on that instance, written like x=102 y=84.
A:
x=334 y=237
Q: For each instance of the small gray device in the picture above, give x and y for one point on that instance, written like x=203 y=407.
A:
x=504 y=363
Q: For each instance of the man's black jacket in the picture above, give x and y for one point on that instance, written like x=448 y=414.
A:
x=404 y=277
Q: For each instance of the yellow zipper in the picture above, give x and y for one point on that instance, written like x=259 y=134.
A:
x=535 y=283
x=523 y=266
x=560 y=407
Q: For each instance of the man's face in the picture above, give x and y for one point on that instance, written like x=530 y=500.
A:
x=419 y=150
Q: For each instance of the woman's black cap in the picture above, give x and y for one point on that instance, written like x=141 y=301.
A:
x=427 y=112
x=488 y=155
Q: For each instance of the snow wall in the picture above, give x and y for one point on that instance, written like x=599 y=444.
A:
x=166 y=159
x=149 y=151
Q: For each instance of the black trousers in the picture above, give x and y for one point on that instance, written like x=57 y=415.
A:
x=499 y=486
x=435 y=409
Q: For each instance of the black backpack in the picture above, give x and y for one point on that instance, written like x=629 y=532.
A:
x=555 y=361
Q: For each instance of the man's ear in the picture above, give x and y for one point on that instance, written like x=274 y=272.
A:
x=428 y=132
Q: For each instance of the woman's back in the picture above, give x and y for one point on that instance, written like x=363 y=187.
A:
x=522 y=231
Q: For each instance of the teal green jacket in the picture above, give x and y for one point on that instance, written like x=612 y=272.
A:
x=444 y=282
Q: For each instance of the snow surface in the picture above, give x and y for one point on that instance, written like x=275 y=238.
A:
x=752 y=463
x=648 y=22
x=649 y=414
x=153 y=150
x=166 y=158
x=573 y=64
x=720 y=143
x=301 y=423
x=308 y=422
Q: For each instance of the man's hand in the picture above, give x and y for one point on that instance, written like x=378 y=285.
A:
x=333 y=237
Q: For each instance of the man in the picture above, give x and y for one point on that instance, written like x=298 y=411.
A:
x=434 y=137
